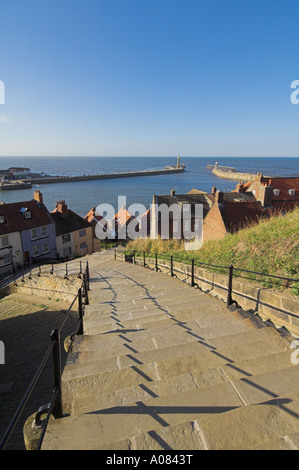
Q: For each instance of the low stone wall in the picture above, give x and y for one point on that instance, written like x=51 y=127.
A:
x=281 y=308
x=49 y=285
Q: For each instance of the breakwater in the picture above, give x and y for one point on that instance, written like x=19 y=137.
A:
x=234 y=175
x=129 y=174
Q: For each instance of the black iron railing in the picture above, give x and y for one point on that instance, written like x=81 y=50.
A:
x=156 y=260
x=55 y=407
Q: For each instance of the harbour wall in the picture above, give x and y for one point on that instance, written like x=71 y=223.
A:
x=234 y=175
x=66 y=179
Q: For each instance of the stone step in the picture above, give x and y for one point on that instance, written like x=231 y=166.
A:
x=253 y=344
x=124 y=305
x=269 y=426
x=99 y=428
x=127 y=386
x=100 y=380
x=287 y=442
x=148 y=324
x=256 y=425
x=151 y=336
x=95 y=325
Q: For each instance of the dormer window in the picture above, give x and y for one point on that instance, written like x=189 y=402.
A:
x=2 y=219
x=292 y=192
x=26 y=213
x=276 y=192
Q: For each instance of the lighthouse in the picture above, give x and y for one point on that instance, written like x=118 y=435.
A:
x=178 y=163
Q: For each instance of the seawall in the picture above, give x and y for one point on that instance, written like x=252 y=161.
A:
x=234 y=175
x=66 y=179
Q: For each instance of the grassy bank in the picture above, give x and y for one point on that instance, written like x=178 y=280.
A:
x=270 y=247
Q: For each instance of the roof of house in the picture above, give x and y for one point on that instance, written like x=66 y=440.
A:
x=233 y=196
x=237 y=215
x=196 y=191
x=283 y=184
x=181 y=199
x=68 y=222
x=14 y=216
x=93 y=218
x=122 y=217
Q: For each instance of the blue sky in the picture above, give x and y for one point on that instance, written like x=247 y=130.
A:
x=149 y=77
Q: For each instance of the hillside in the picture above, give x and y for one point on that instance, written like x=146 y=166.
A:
x=270 y=247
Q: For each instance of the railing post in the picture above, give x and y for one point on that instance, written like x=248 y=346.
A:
x=52 y=269
x=85 y=290
x=144 y=259
x=114 y=253
x=87 y=273
x=230 y=286
x=57 y=407
x=171 y=265
x=80 y=311
x=66 y=271
x=134 y=260
x=192 y=273
x=156 y=262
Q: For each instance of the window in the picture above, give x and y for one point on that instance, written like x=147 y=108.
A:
x=292 y=192
x=35 y=250
x=83 y=246
x=66 y=238
x=34 y=234
x=43 y=231
x=7 y=258
x=82 y=233
x=4 y=241
x=2 y=219
x=45 y=248
x=25 y=212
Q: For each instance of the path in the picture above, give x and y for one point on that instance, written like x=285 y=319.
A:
x=165 y=366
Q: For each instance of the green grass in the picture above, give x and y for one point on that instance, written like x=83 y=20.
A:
x=270 y=247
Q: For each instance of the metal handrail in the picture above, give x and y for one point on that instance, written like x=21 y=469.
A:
x=55 y=406
x=189 y=261
x=193 y=262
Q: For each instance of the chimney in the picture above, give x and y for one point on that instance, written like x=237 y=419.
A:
x=265 y=196
x=240 y=188
x=214 y=190
x=172 y=192
x=38 y=196
x=219 y=197
x=62 y=207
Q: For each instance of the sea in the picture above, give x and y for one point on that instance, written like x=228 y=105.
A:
x=81 y=196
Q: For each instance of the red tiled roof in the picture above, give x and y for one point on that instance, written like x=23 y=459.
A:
x=283 y=184
x=237 y=215
x=15 y=221
x=122 y=217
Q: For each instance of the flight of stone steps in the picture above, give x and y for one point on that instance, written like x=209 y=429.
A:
x=162 y=365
